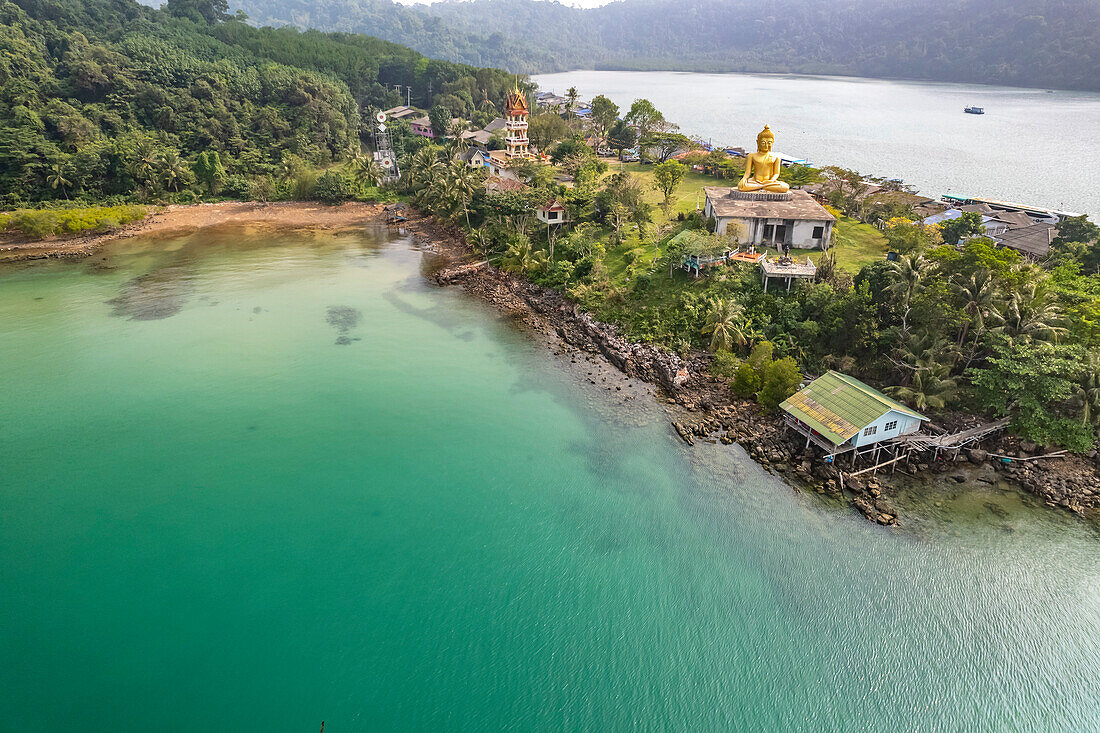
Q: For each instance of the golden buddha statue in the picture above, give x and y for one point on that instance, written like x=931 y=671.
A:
x=762 y=167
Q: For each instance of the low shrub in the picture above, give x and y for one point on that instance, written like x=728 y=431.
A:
x=746 y=381
x=41 y=223
x=332 y=187
x=724 y=364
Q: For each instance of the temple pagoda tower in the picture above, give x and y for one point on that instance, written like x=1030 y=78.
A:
x=516 y=110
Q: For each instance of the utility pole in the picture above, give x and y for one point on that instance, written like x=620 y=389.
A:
x=408 y=95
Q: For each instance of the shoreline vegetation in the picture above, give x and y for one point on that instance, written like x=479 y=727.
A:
x=121 y=106
x=706 y=409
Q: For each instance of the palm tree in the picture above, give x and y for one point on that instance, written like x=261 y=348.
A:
x=456 y=146
x=572 y=95
x=931 y=388
x=1032 y=313
x=521 y=257
x=978 y=294
x=57 y=180
x=422 y=174
x=464 y=183
x=723 y=325
x=479 y=239
x=908 y=272
x=423 y=167
x=172 y=170
x=366 y=170
x=144 y=165
x=1090 y=391
x=922 y=350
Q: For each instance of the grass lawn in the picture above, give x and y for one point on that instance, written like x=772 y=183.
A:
x=856 y=244
x=688 y=193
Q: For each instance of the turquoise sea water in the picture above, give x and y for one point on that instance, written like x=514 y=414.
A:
x=256 y=480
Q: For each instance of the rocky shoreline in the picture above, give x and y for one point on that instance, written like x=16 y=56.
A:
x=712 y=412
x=704 y=406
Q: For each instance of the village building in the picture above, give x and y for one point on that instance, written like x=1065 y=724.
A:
x=422 y=126
x=549 y=100
x=780 y=220
x=475 y=157
x=496 y=162
x=839 y=413
x=553 y=212
x=1038 y=213
x=480 y=138
x=1015 y=230
x=988 y=221
x=401 y=112
x=1032 y=241
x=498 y=184
x=477 y=138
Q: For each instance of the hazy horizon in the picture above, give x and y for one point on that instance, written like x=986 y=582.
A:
x=573 y=3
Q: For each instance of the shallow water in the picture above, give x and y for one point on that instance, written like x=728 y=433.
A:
x=253 y=481
x=1033 y=146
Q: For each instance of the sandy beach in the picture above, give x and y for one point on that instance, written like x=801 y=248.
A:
x=178 y=219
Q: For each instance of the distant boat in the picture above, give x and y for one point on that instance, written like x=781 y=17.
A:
x=974 y=110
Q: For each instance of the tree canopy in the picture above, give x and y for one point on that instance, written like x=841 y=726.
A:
x=1036 y=43
x=109 y=99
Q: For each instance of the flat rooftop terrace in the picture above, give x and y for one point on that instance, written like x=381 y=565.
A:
x=794 y=268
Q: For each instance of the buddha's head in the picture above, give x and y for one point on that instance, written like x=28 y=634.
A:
x=764 y=140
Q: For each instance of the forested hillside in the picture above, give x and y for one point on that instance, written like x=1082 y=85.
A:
x=1041 y=43
x=108 y=99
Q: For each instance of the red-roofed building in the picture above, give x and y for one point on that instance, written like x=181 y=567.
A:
x=553 y=212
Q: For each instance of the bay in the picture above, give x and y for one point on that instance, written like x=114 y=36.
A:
x=1032 y=146
x=257 y=479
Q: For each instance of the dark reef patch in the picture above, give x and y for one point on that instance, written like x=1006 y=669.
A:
x=152 y=296
x=343 y=318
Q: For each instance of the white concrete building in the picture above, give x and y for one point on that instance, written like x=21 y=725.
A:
x=793 y=219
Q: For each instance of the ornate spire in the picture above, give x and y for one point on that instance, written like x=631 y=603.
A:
x=517 y=100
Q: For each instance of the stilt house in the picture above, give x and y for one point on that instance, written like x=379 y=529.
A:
x=839 y=413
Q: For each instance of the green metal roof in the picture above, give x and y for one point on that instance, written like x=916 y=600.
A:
x=839 y=406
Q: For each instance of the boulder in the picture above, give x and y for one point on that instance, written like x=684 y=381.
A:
x=977 y=455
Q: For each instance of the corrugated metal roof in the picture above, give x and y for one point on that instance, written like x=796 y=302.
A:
x=839 y=406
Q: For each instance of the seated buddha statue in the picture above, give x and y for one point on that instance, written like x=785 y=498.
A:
x=762 y=167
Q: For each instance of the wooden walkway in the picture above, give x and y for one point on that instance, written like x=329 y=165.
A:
x=952 y=441
x=900 y=448
x=698 y=263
